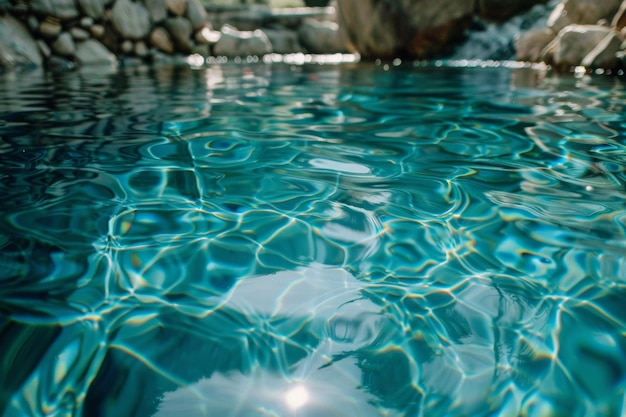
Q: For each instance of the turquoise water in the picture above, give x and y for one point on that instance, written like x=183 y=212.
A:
x=350 y=240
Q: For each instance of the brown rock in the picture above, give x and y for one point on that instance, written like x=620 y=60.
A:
x=583 y=12
x=50 y=28
x=141 y=49
x=180 y=30
x=127 y=47
x=529 y=46
x=176 y=7
x=418 y=28
x=97 y=31
x=161 y=39
x=619 y=20
x=574 y=43
x=501 y=10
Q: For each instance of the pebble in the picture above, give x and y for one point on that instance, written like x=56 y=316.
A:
x=79 y=34
x=64 y=45
x=176 y=7
x=180 y=30
x=160 y=39
x=50 y=28
x=97 y=31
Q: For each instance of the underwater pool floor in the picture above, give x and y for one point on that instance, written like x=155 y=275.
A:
x=343 y=240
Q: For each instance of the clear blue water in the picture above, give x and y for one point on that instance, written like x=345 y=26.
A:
x=351 y=240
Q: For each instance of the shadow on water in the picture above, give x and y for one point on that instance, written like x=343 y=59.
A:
x=312 y=240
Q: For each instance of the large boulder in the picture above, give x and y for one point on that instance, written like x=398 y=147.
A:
x=417 y=28
x=17 y=46
x=529 y=46
x=589 y=45
x=583 y=12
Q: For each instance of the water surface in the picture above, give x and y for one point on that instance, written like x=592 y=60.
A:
x=254 y=240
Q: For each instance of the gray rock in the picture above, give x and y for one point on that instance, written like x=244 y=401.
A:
x=529 y=45
x=161 y=40
x=141 y=49
x=92 y=52
x=86 y=22
x=127 y=47
x=79 y=34
x=417 y=28
x=33 y=23
x=321 y=37
x=202 y=50
x=584 y=12
x=575 y=42
x=64 y=45
x=176 y=7
x=92 y=8
x=604 y=54
x=61 y=9
x=17 y=46
x=284 y=41
x=50 y=28
x=196 y=14
x=238 y=43
x=180 y=30
x=131 y=20
x=157 y=10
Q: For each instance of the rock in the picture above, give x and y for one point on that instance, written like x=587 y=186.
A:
x=321 y=37
x=33 y=23
x=574 y=43
x=92 y=52
x=202 y=50
x=92 y=8
x=97 y=31
x=157 y=10
x=45 y=50
x=17 y=46
x=529 y=45
x=604 y=54
x=242 y=43
x=64 y=45
x=61 y=9
x=196 y=14
x=79 y=34
x=584 y=12
x=417 y=28
x=176 y=7
x=161 y=39
x=141 y=49
x=131 y=20
x=50 y=28
x=502 y=10
x=180 y=30
x=284 y=41
x=127 y=47
x=206 y=36
x=86 y=22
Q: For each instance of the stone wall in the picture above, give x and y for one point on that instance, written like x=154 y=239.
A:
x=587 y=33
x=63 y=34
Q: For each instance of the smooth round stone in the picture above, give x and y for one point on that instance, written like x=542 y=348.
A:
x=157 y=10
x=92 y=52
x=127 y=47
x=50 y=29
x=64 y=45
x=61 y=9
x=86 y=22
x=161 y=39
x=79 y=34
x=97 y=31
x=141 y=49
x=206 y=36
x=196 y=14
x=180 y=30
x=130 y=20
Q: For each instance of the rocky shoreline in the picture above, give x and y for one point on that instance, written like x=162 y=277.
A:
x=65 y=34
